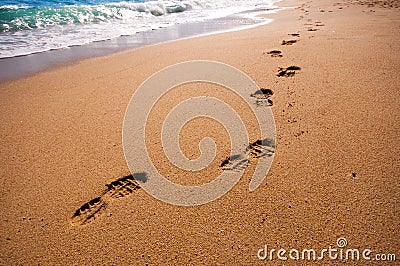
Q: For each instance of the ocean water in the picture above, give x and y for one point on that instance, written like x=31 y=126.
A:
x=32 y=26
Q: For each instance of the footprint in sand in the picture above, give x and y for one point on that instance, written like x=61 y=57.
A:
x=290 y=42
x=262 y=96
x=257 y=149
x=119 y=188
x=294 y=34
x=275 y=53
x=234 y=163
x=288 y=71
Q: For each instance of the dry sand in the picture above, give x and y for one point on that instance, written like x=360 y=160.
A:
x=335 y=173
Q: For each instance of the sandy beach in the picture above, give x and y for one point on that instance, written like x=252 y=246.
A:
x=335 y=174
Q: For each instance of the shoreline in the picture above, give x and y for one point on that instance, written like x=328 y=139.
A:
x=26 y=65
x=334 y=83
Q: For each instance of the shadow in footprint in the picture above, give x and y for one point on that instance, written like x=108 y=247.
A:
x=119 y=188
x=275 y=53
x=234 y=163
x=257 y=149
x=290 y=42
x=288 y=71
x=261 y=148
x=262 y=95
x=294 y=34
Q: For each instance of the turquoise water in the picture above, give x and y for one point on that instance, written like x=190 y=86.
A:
x=27 y=15
x=31 y=26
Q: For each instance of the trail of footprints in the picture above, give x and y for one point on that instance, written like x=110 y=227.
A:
x=237 y=162
x=262 y=148
x=289 y=71
x=125 y=186
x=119 y=188
x=310 y=26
